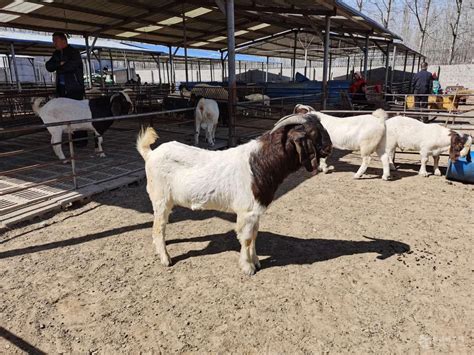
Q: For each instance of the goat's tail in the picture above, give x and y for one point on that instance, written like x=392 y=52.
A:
x=380 y=114
x=145 y=139
x=36 y=105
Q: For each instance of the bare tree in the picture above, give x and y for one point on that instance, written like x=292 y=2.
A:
x=422 y=20
x=454 y=30
x=360 y=4
x=384 y=8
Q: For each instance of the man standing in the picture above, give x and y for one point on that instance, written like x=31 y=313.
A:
x=422 y=85
x=67 y=63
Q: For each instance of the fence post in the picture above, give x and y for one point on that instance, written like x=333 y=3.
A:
x=71 y=153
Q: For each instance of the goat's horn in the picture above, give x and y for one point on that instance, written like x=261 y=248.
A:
x=288 y=120
x=467 y=147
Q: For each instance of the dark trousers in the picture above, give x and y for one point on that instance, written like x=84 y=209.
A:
x=79 y=137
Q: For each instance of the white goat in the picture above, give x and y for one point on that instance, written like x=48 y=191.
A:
x=63 y=109
x=364 y=132
x=206 y=117
x=259 y=98
x=242 y=180
x=429 y=139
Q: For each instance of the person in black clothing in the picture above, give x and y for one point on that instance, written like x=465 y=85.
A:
x=67 y=63
x=422 y=84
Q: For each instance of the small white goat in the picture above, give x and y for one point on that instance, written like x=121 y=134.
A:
x=259 y=98
x=63 y=109
x=429 y=139
x=206 y=116
x=364 y=133
x=242 y=180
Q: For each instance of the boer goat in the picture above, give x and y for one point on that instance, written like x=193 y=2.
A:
x=242 y=180
x=63 y=109
x=429 y=139
x=364 y=132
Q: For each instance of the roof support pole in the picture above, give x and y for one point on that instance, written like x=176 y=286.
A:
x=171 y=67
x=412 y=70
x=348 y=64
x=266 y=74
x=15 y=66
x=185 y=45
x=89 y=66
x=387 y=67
x=330 y=66
x=167 y=71
x=101 y=70
x=111 y=66
x=211 y=70
x=327 y=38
x=366 y=55
x=293 y=72
x=231 y=69
x=393 y=67
x=419 y=63
x=222 y=66
x=405 y=67
x=158 y=63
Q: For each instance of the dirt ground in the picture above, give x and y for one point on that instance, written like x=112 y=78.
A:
x=361 y=266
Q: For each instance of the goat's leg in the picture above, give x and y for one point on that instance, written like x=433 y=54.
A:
x=437 y=172
x=424 y=160
x=253 y=249
x=161 y=214
x=56 y=139
x=210 y=129
x=245 y=233
x=196 y=132
x=385 y=159
x=99 y=149
x=363 y=167
x=391 y=156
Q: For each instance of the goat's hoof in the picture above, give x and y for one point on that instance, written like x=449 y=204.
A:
x=257 y=264
x=356 y=176
x=166 y=261
x=386 y=178
x=423 y=173
x=248 y=268
x=102 y=155
x=437 y=172
x=66 y=161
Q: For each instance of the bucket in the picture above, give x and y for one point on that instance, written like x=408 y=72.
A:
x=461 y=170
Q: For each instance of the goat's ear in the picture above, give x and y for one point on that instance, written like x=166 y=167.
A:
x=304 y=147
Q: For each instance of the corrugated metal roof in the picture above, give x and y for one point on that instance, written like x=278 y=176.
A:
x=121 y=19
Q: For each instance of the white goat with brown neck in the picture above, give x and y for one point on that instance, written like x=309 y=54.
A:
x=242 y=180
x=410 y=134
x=365 y=133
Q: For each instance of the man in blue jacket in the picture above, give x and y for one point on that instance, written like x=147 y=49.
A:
x=422 y=85
x=66 y=61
